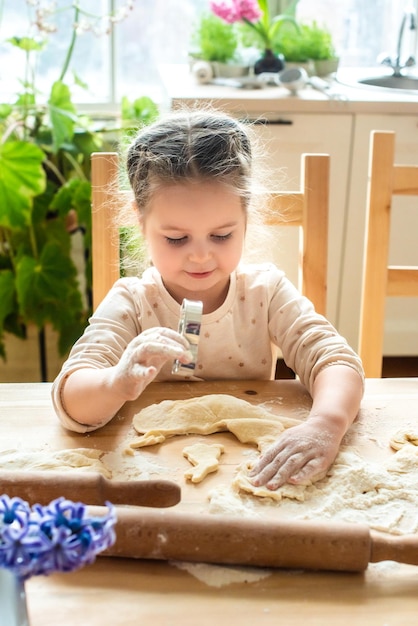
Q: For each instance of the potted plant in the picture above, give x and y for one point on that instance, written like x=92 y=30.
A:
x=216 y=42
x=258 y=27
x=292 y=45
x=318 y=46
x=45 y=195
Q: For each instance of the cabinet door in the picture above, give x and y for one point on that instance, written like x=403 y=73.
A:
x=401 y=323
x=284 y=141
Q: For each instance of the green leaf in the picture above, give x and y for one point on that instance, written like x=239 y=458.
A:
x=44 y=286
x=26 y=99
x=79 y=82
x=5 y=111
x=279 y=21
x=62 y=114
x=143 y=110
x=21 y=178
x=27 y=43
x=75 y=194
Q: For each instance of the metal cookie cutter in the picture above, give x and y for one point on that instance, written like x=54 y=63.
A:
x=189 y=327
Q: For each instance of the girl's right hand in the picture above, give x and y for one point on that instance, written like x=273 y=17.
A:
x=144 y=357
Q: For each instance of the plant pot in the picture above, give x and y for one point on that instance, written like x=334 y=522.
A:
x=229 y=70
x=13 y=608
x=324 y=67
x=269 y=63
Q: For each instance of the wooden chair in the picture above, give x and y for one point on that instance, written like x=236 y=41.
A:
x=306 y=208
x=386 y=179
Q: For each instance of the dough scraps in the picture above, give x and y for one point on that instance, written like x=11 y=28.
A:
x=206 y=415
x=80 y=459
x=402 y=437
x=241 y=482
x=111 y=464
x=205 y=459
x=355 y=489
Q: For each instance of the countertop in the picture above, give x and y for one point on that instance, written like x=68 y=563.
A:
x=182 y=88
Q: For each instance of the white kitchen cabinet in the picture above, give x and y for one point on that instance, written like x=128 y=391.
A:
x=285 y=138
x=401 y=323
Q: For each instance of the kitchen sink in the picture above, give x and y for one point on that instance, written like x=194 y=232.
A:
x=368 y=78
x=391 y=82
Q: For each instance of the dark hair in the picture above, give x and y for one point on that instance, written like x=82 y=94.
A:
x=190 y=147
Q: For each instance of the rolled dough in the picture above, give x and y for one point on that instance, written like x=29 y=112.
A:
x=206 y=415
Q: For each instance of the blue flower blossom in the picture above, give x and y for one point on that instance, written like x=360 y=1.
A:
x=56 y=537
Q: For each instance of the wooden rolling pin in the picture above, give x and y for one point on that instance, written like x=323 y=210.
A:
x=314 y=545
x=90 y=488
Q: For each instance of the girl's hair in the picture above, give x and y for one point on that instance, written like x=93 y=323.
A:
x=190 y=147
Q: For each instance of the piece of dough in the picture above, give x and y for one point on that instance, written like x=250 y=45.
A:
x=206 y=415
x=205 y=459
x=80 y=459
x=402 y=437
x=242 y=483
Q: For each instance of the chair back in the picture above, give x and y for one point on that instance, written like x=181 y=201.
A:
x=305 y=208
x=380 y=280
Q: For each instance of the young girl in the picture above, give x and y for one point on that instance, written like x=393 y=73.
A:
x=191 y=176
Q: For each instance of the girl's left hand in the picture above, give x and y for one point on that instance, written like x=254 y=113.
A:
x=302 y=453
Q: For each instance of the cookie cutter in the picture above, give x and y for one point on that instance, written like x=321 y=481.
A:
x=189 y=326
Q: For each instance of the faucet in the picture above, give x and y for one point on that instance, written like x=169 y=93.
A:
x=410 y=18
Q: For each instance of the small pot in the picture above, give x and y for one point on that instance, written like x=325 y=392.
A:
x=269 y=63
x=324 y=67
x=229 y=70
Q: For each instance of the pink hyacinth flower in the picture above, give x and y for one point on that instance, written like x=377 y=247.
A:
x=236 y=10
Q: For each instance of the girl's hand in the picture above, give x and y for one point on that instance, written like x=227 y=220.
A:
x=144 y=357
x=301 y=453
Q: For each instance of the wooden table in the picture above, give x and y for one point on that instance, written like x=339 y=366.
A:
x=127 y=591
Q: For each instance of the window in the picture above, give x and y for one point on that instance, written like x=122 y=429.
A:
x=158 y=31
x=362 y=30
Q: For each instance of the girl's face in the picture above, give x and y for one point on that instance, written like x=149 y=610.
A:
x=195 y=236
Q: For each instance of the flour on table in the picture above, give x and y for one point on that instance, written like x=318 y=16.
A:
x=205 y=459
x=206 y=415
x=221 y=575
x=126 y=467
x=384 y=496
x=226 y=501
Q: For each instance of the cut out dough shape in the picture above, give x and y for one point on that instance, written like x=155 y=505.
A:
x=206 y=415
x=205 y=459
